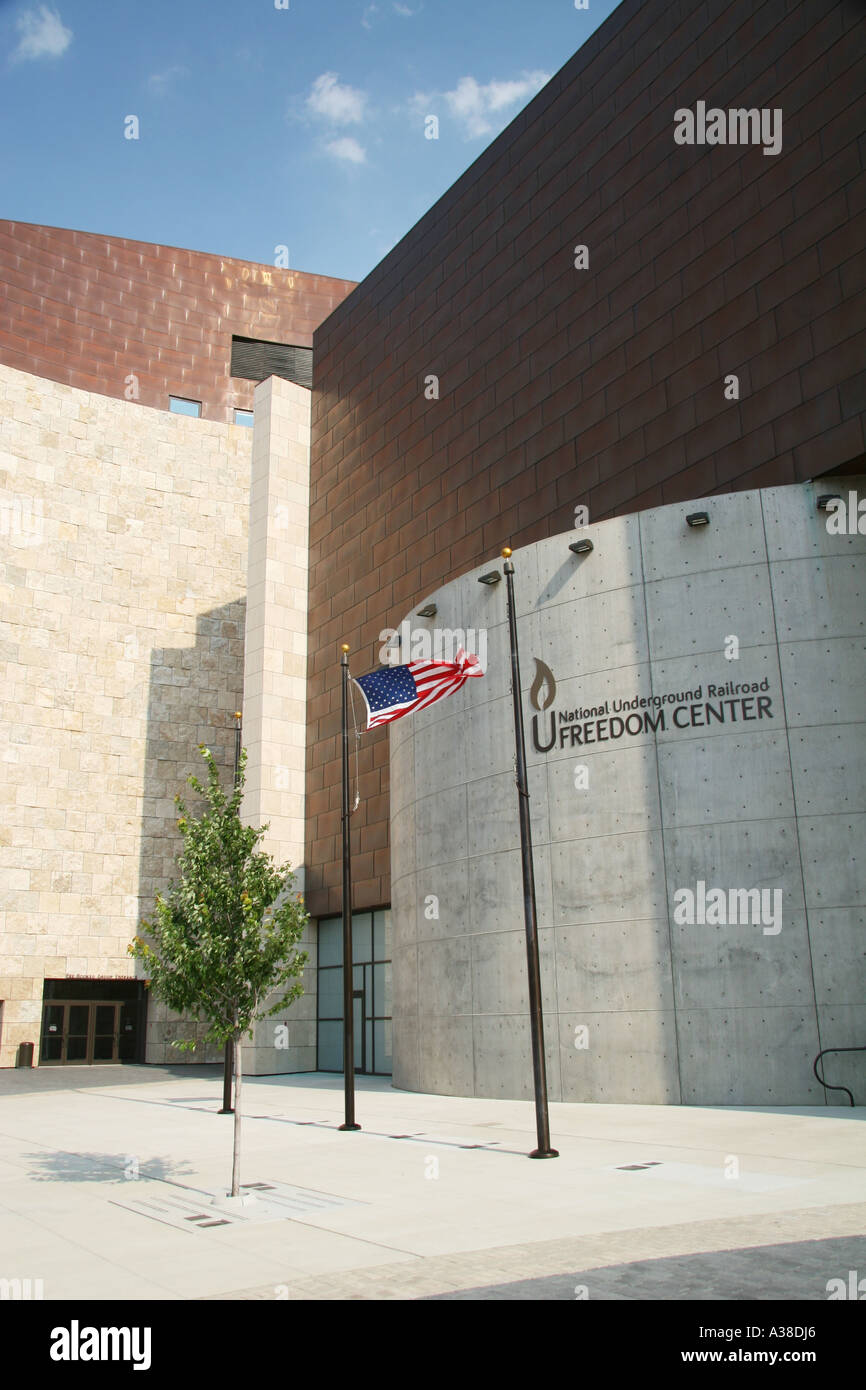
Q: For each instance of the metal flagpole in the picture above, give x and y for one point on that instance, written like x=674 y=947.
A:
x=228 y=1059
x=348 y=991
x=536 y=1021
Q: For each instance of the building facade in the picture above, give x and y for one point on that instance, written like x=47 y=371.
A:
x=154 y=581
x=696 y=741
x=595 y=326
x=478 y=386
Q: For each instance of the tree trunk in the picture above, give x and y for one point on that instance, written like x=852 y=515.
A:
x=236 y=1155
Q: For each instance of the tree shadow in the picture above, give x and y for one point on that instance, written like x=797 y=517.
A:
x=124 y=1169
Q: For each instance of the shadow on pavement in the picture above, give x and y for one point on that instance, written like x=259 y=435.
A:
x=801 y=1270
x=103 y=1167
x=18 y=1080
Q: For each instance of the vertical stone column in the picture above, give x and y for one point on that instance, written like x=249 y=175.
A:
x=275 y=675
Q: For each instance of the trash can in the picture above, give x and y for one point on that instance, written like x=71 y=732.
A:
x=25 y=1055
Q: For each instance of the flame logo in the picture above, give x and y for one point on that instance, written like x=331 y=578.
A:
x=545 y=682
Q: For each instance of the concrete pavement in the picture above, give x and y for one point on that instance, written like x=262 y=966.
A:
x=105 y=1193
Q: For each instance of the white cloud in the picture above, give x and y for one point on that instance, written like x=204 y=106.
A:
x=43 y=35
x=336 y=103
x=482 y=109
x=348 y=149
x=159 y=81
x=374 y=14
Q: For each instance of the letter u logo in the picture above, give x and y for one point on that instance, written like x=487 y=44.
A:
x=543 y=747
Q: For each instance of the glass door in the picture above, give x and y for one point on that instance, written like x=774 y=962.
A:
x=105 y=1025
x=80 y=1033
x=52 y=1034
x=358 y=1030
x=77 y=1033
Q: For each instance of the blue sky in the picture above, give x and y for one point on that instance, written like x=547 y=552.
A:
x=259 y=126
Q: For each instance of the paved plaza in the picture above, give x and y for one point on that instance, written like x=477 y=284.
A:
x=107 y=1177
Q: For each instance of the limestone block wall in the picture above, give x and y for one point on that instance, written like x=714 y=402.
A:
x=275 y=681
x=123 y=555
x=641 y=1003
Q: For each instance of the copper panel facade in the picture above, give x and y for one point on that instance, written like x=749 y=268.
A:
x=604 y=386
x=144 y=322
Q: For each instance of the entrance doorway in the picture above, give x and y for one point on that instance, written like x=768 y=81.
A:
x=371 y=993
x=85 y=1033
x=91 y=1021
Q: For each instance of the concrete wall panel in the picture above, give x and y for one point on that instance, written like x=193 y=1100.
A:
x=748 y=1056
x=740 y=777
x=824 y=680
x=610 y=878
x=614 y=966
x=828 y=766
x=819 y=598
x=631 y=1058
x=833 y=860
x=442 y=900
x=710 y=607
x=445 y=1055
x=838 y=940
x=503 y=1058
x=696 y=784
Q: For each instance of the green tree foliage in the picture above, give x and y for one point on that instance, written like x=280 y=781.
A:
x=223 y=938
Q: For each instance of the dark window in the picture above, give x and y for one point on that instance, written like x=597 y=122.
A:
x=93 y=989
x=255 y=360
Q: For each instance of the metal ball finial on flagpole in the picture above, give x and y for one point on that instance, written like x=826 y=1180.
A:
x=348 y=989
x=536 y=1021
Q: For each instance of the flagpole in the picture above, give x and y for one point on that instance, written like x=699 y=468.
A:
x=229 y=1053
x=348 y=973
x=536 y=1021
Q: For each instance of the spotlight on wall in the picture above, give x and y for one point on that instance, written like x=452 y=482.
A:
x=428 y=611
x=698 y=519
x=581 y=547
x=826 y=498
x=492 y=578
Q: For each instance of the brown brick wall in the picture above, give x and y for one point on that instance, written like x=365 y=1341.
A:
x=604 y=386
x=91 y=310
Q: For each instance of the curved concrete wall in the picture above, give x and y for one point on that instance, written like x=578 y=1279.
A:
x=757 y=788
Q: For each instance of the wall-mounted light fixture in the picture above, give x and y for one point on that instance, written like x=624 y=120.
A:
x=698 y=519
x=492 y=578
x=581 y=547
x=826 y=498
x=428 y=611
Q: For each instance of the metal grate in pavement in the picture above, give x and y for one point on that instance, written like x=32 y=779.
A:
x=705 y=1175
x=193 y=1211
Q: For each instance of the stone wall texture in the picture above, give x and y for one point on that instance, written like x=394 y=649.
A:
x=124 y=562
x=773 y=798
x=602 y=387
x=92 y=311
x=275 y=682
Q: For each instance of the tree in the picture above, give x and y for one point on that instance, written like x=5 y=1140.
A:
x=223 y=938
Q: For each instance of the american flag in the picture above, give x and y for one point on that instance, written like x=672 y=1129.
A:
x=393 y=691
